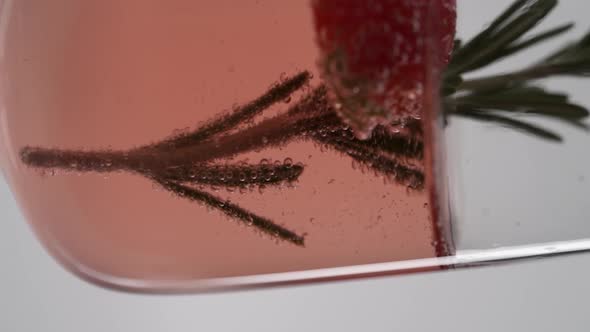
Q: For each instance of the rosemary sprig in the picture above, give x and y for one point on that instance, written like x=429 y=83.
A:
x=498 y=98
x=180 y=163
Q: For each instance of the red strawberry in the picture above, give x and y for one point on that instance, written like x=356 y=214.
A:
x=373 y=55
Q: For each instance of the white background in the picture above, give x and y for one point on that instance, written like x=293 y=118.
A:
x=541 y=295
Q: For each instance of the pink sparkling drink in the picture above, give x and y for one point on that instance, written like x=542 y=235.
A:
x=101 y=101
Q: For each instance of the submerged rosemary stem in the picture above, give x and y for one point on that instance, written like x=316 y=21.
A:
x=277 y=130
x=79 y=161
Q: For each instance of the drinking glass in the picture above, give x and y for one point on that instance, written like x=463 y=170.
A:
x=173 y=145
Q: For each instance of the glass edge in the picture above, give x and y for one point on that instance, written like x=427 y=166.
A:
x=462 y=259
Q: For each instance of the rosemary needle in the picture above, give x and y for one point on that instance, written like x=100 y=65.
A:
x=232 y=210
x=235 y=175
x=241 y=115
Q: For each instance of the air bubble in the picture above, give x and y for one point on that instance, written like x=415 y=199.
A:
x=288 y=162
x=249 y=221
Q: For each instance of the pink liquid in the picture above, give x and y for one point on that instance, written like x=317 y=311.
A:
x=116 y=75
